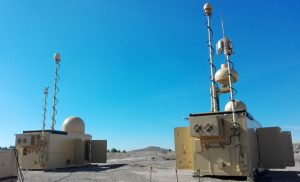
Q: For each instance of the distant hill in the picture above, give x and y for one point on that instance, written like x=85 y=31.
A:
x=296 y=147
x=151 y=149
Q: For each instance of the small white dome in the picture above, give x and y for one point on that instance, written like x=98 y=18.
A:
x=238 y=106
x=73 y=124
x=207 y=9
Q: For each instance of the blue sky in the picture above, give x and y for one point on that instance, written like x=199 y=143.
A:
x=133 y=69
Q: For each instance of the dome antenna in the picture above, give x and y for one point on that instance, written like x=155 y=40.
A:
x=56 y=90
x=214 y=97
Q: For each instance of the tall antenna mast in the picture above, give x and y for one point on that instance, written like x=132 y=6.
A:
x=225 y=46
x=56 y=79
x=214 y=98
x=44 y=113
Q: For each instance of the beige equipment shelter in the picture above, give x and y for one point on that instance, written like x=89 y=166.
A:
x=8 y=166
x=212 y=146
x=230 y=142
x=51 y=149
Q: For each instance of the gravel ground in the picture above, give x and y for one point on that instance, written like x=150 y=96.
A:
x=142 y=165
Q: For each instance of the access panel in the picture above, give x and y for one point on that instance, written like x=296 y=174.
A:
x=183 y=148
x=99 y=151
x=275 y=148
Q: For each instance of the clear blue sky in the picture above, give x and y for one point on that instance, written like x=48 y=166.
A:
x=133 y=69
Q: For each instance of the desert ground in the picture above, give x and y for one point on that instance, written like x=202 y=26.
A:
x=152 y=164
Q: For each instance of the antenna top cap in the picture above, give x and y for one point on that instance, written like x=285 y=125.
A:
x=207 y=9
x=57 y=57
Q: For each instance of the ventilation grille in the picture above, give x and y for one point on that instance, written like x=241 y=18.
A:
x=205 y=127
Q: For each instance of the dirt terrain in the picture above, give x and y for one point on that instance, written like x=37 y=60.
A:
x=150 y=164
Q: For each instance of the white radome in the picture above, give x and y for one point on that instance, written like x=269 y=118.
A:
x=238 y=106
x=207 y=9
x=57 y=57
x=73 y=124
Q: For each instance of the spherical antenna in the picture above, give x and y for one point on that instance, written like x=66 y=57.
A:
x=57 y=57
x=221 y=75
x=207 y=9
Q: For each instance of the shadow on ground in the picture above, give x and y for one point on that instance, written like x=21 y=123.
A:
x=231 y=178
x=90 y=168
x=270 y=176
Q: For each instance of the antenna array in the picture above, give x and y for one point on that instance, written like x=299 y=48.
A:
x=226 y=76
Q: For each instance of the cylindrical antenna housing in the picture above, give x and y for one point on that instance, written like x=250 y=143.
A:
x=225 y=46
